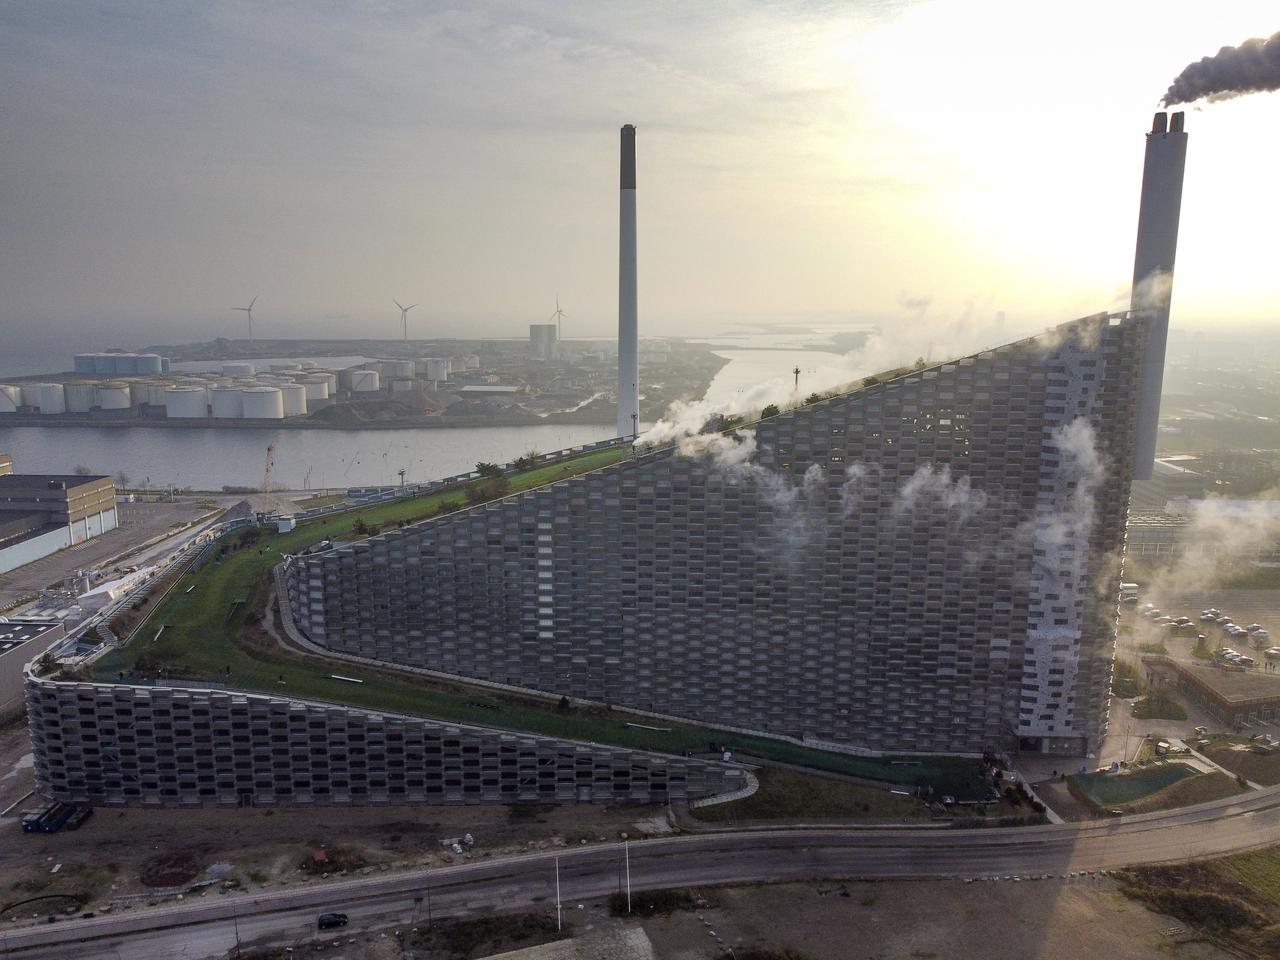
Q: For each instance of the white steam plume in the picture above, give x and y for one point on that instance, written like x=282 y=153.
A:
x=934 y=490
x=855 y=478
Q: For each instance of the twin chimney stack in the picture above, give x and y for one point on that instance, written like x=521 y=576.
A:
x=628 y=344
x=1153 y=271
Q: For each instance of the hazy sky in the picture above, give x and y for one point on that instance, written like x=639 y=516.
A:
x=797 y=161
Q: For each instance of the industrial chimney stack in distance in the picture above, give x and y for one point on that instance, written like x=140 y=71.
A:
x=1153 y=271
x=628 y=345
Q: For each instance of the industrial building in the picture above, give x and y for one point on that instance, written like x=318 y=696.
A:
x=773 y=580
x=21 y=641
x=118 y=744
x=924 y=564
x=41 y=514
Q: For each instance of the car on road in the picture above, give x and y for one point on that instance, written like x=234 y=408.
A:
x=331 y=921
x=1182 y=621
x=1162 y=619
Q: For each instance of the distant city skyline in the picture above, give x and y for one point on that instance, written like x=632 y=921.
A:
x=813 y=163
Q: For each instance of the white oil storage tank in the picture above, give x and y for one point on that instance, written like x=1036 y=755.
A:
x=227 y=402
x=137 y=392
x=262 y=403
x=125 y=363
x=10 y=397
x=81 y=395
x=185 y=403
x=149 y=364
x=402 y=385
x=364 y=381
x=52 y=399
x=473 y=361
x=30 y=394
x=238 y=369
x=155 y=392
x=435 y=368
x=294 y=398
x=113 y=395
x=84 y=363
x=104 y=363
x=317 y=386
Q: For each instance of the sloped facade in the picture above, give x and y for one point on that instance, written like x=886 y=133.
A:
x=923 y=564
x=120 y=744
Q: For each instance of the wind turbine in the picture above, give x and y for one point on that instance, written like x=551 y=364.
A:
x=404 y=316
x=248 y=310
x=557 y=317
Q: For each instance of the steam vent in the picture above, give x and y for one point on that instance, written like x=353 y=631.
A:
x=915 y=564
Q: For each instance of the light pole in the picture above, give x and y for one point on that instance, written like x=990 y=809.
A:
x=558 y=913
x=626 y=852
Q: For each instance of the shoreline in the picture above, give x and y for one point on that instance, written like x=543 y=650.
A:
x=300 y=423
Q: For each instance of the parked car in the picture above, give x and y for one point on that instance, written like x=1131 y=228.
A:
x=330 y=921
x=1162 y=619
x=1246 y=661
x=1152 y=613
x=1182 y=621
x=1254 y=627
x=1207 y=617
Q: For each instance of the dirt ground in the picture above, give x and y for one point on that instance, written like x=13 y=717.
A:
x=1041 y=920
x=1045 y=920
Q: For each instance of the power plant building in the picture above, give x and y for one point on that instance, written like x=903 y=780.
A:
x=922 y=564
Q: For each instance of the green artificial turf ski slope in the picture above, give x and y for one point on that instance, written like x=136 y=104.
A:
x=203 y=639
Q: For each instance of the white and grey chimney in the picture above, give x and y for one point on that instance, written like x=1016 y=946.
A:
x=628 y=345
x=1153 y=271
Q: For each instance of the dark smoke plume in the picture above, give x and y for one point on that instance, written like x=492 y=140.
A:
x=1252 y=67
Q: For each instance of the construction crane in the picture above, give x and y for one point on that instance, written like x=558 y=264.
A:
x=266 y=478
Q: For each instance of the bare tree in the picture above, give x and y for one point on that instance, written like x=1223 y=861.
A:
x=80 y=470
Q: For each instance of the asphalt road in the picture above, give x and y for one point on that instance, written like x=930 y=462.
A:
x=209 y=928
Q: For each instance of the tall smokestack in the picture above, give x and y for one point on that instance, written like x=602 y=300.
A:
x=628 y=346
x=1153 y=270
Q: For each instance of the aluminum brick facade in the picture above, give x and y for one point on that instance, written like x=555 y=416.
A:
x=926 y=564
x=118 y=744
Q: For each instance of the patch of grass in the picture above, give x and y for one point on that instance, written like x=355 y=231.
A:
x=1184 y=793
x=1235 y=898
x=1236 y=754
x=1157 y=647
x=485 y=936
x=1159 y=706
x=790 y=795
x=1124 y=680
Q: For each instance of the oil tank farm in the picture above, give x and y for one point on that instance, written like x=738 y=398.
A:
x=114 y=395
x=227 y=401
x=185 y=402
x=52 y=399
x=434 y=368
x=10 y=397
x=398 y=369
x=293 y=396
x=81 y=395
x=365 y=381
x=262 y=403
